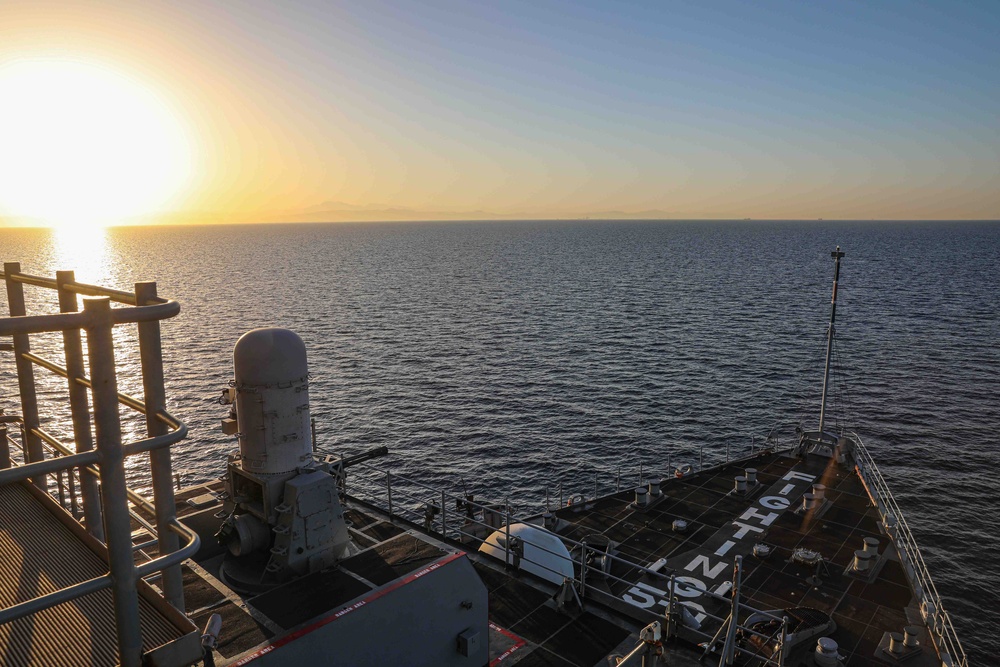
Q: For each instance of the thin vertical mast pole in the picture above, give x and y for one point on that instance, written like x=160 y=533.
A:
x=836 y=254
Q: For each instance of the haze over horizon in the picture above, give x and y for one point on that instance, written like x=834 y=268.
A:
x=158 y=112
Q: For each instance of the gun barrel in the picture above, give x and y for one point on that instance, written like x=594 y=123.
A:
x=375 y=453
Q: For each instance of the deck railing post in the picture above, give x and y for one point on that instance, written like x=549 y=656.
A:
x=25 y=374
x=783 y=645
x=151 y=358
x=79 y=407
x=107 y=425
x=60 y=486
x=4 y=447
x=729 y=650
x=388 y=490
x=73 y=507
x=444 y=517
x=506 y=527
x=671 y=621
x=343 y=476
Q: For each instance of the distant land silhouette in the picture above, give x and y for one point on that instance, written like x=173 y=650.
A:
x=335 y=211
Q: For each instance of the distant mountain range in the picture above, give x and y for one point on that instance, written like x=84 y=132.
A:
x=334 y=211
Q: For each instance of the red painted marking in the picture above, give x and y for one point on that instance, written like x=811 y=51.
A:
x=518 y=643
x=507 y=633
x=287 y=639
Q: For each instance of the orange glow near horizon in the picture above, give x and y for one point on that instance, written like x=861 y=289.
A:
x=204 y=113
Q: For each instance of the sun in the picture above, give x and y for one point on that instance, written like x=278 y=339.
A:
x=83 y=145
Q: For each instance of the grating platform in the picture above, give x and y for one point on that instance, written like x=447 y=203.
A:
x=39 y=554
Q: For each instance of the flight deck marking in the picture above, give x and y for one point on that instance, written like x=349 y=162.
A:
x=724 y=549
x=763 y=511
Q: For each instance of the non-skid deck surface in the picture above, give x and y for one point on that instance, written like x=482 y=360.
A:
x=304 y=598
x=863 y=610
x=299 y=600
x=39 y=555
x=553 y=638
x=394 y=558
x=240 y=631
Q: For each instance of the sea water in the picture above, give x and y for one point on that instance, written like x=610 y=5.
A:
x=511 y=357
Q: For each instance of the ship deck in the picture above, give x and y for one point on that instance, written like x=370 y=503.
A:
x=527 y=627
x=865 y=609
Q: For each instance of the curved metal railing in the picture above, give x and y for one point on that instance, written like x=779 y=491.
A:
x=938 y=621
x=106 y=514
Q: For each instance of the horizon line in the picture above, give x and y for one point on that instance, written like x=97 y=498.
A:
x=497 y=220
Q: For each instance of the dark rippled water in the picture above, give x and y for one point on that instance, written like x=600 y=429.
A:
x=516 y=355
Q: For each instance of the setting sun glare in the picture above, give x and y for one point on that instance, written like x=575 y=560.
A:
x=83 y=145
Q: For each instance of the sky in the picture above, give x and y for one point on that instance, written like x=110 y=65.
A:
x=250 y=111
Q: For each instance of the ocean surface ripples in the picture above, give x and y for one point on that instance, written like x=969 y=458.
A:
x=513 y=357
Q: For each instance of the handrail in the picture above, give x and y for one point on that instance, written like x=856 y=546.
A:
x=82 y=459
x=32 y=324
x=174 y=557
x=740 y=458
x=22 y=472
x=97 y=319
x=63 y=451
x=938 y=620
x=96 y=584
x=84 y=289
x=124 y=399
x=35 y=605
x=579 y=581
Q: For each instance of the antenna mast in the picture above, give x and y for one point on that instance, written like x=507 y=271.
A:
x=836 y=254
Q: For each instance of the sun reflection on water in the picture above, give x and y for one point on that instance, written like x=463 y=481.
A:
x=83 y=249
x=92 y=254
